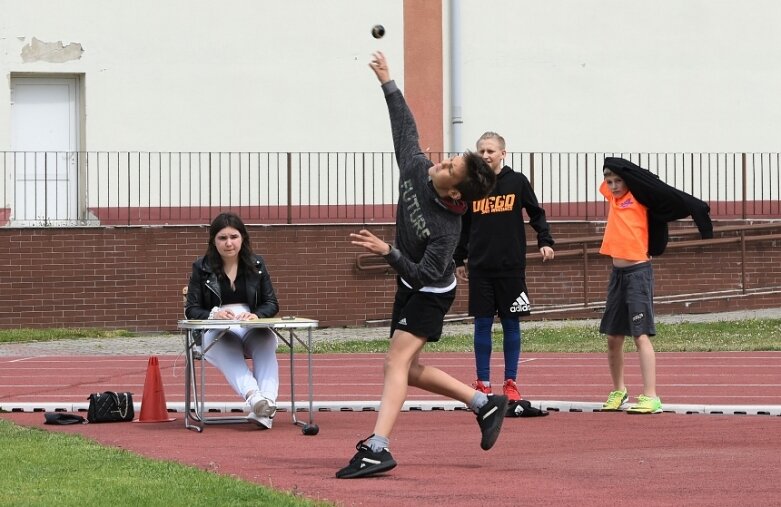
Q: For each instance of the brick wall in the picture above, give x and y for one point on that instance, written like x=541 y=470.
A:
x=131 y=277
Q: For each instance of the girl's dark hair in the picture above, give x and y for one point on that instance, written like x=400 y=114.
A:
x=246 y=255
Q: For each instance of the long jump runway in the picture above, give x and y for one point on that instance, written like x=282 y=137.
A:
x=718 y=442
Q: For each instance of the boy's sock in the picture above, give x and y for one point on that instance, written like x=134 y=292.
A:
x=511 y=328
x=483 y=346
x=377 y=443
x=478 y=401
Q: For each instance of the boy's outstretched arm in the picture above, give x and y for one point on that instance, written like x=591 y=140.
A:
x=405 y=133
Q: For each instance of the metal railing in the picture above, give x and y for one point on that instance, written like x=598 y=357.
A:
x=145 y=188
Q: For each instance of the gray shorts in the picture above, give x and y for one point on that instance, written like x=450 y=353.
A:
x=629 y=310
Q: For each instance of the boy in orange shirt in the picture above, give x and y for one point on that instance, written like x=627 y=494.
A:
x=641 y=205
x=629 y=306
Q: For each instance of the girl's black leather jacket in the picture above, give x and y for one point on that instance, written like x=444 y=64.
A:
x=203 y=291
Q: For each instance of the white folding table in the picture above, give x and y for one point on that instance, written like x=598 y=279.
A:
x=194 y=398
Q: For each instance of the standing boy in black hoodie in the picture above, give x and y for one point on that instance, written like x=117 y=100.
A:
x=493 y=242
x=428 y=223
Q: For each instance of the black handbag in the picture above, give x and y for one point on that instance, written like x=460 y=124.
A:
x=109 y=406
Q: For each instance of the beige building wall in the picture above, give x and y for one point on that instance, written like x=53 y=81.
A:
x=560 y=75
x=624 y=75
x=191 y=75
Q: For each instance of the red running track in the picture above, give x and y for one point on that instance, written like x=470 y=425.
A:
x=740 y=378
x=588 y=459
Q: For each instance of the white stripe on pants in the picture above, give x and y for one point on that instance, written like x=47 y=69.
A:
x=228 y=356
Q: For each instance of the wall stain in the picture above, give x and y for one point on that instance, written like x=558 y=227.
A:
x=53 y=52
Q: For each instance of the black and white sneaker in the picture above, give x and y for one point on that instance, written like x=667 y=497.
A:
x=367 y=462
x=490 y=418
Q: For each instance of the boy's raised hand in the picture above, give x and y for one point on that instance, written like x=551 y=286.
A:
x=380 y=67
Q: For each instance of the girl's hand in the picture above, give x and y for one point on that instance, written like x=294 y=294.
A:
x=224 y=315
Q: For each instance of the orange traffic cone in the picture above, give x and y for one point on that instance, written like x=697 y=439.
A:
x=153 y=408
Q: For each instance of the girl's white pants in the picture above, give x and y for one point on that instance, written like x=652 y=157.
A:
x=228 y=356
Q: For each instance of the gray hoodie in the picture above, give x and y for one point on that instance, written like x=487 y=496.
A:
x=427 y=232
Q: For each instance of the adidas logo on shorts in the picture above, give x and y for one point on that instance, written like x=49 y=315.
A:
x=403 y=322
x=521 y=304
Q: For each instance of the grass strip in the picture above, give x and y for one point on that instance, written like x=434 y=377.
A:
x=50 y=334
x=40 y=467
x=720 y=336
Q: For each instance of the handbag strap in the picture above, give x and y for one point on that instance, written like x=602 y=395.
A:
x=119 y=405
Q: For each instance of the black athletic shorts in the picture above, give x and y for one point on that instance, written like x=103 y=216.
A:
x=507 y=297
x=420 y=313
x=629 y=310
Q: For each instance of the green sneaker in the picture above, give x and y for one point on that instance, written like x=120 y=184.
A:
x=646 y=405
x=615 y=401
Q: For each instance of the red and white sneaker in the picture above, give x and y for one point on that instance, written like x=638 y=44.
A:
x=511 y=390
x=479 y=386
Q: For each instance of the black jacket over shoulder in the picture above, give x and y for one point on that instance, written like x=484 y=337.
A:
x=664 y=203
x=203 y=291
